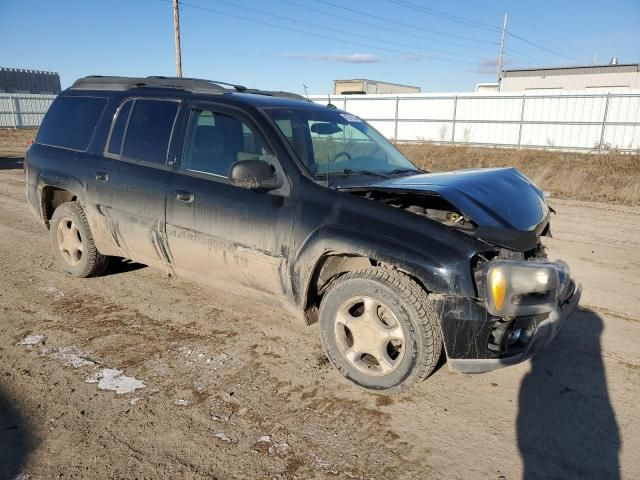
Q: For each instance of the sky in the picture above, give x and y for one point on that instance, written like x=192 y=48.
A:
x=440 y=46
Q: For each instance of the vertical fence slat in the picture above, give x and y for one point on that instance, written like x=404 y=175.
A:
x=395 y=122
x=12 y=107
x=453 y=126
x=604 y=122
x=524 y=98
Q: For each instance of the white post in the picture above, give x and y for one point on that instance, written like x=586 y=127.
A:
x=501 y=55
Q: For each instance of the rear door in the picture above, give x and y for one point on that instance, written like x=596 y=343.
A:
x=130 y=183
x=215 y=228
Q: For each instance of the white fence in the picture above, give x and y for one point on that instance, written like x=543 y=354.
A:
x=23 y=110
x=568 y=120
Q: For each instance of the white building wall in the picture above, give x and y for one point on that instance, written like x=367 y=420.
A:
x=609 y=77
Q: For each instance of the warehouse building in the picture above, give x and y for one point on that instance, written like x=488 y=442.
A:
x=17 y=80
x=612 y=76
x=361 y=86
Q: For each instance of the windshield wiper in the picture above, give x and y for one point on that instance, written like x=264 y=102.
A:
x=398 y=171
x=351 y=171
x=360 y=171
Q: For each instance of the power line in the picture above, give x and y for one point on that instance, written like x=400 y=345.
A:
x=318 y=35
x=342 y=32
x=446 y=16
x=548 y=50
x=424 y=29
x=480 y=6
x=473 y=23
x=526 y=56
x=380 y=27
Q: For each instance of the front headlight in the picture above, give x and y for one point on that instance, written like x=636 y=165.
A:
x=523 y=288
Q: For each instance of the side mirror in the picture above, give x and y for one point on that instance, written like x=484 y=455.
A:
x=254 y=174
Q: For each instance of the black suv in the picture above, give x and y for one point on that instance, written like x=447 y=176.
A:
x=271 y=195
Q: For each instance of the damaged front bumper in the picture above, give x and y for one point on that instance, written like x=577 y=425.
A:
x=469 y=332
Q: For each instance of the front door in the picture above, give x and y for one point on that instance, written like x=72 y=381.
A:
x=215 y=228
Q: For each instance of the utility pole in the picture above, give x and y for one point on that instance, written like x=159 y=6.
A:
x=176 y=32
x=501 y=55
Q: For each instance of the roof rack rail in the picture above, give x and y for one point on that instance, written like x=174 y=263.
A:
x=99 y=82
x=273 y=93
x=197 y=85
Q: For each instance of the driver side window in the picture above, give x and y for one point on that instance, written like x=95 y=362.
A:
x=216 y=141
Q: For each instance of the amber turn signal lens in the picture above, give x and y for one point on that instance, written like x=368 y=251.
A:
x=498 y=288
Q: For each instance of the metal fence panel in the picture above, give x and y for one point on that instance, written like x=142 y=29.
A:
x=585 y=120
x=568 y=120
x=23 y=110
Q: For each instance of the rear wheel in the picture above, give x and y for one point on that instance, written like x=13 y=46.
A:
x=379 y=329
x=72 y=242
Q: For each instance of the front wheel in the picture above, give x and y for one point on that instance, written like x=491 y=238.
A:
x=72 y=242
x=379 y=329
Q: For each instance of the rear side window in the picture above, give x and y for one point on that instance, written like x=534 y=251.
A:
x=149 y=130
x=70 y=122
x=117 y=130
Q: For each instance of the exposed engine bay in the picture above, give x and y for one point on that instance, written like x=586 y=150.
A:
x=431 y=206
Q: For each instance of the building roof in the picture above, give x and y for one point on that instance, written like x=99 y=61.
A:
x=573 y=70
x=374 y=81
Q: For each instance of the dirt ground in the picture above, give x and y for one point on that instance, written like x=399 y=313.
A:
x=237 y=390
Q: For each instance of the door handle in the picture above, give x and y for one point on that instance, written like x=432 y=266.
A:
x=102 y=176
x=186 y=197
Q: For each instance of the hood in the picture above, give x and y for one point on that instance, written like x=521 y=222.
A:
x=508 y=209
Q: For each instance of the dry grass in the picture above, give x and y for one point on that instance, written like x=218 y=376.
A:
x=610 y=177
x=15 y=142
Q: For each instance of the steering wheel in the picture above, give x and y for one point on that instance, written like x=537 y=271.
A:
x=338 y=155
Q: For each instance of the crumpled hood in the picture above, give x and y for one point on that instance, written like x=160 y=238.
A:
x=508 y=209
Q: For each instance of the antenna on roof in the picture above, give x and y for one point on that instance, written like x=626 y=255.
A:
x=306 y=94
x=330 y=105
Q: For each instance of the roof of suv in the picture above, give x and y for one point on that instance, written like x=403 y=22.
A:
x=254 y=97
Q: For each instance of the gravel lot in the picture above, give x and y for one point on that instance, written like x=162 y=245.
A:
x=230 y=389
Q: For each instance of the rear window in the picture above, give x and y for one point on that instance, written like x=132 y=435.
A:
x=149 y=130
x=70 y=122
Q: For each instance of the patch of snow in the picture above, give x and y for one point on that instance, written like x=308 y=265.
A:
x=32 y=340
x=114 y=380
x=265 y=439
x=282 y=447
x=72 y=360
x=58 y=294
x=69 y=356
x=182 y=403
x=222 y=436
x=219 y=360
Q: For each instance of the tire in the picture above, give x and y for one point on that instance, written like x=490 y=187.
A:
x=72 y=243
x=379 y=329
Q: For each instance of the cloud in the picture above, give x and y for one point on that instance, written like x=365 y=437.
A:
x=412 y=58
x=351 y=58
x=490 y=65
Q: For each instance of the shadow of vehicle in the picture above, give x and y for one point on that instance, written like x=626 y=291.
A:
x=16 y=441
x=11 y=162
x=566 y=425
x=119 y=265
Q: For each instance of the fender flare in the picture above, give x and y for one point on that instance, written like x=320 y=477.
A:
x=454 y=279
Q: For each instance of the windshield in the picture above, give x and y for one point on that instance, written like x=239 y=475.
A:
x=329 y=141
